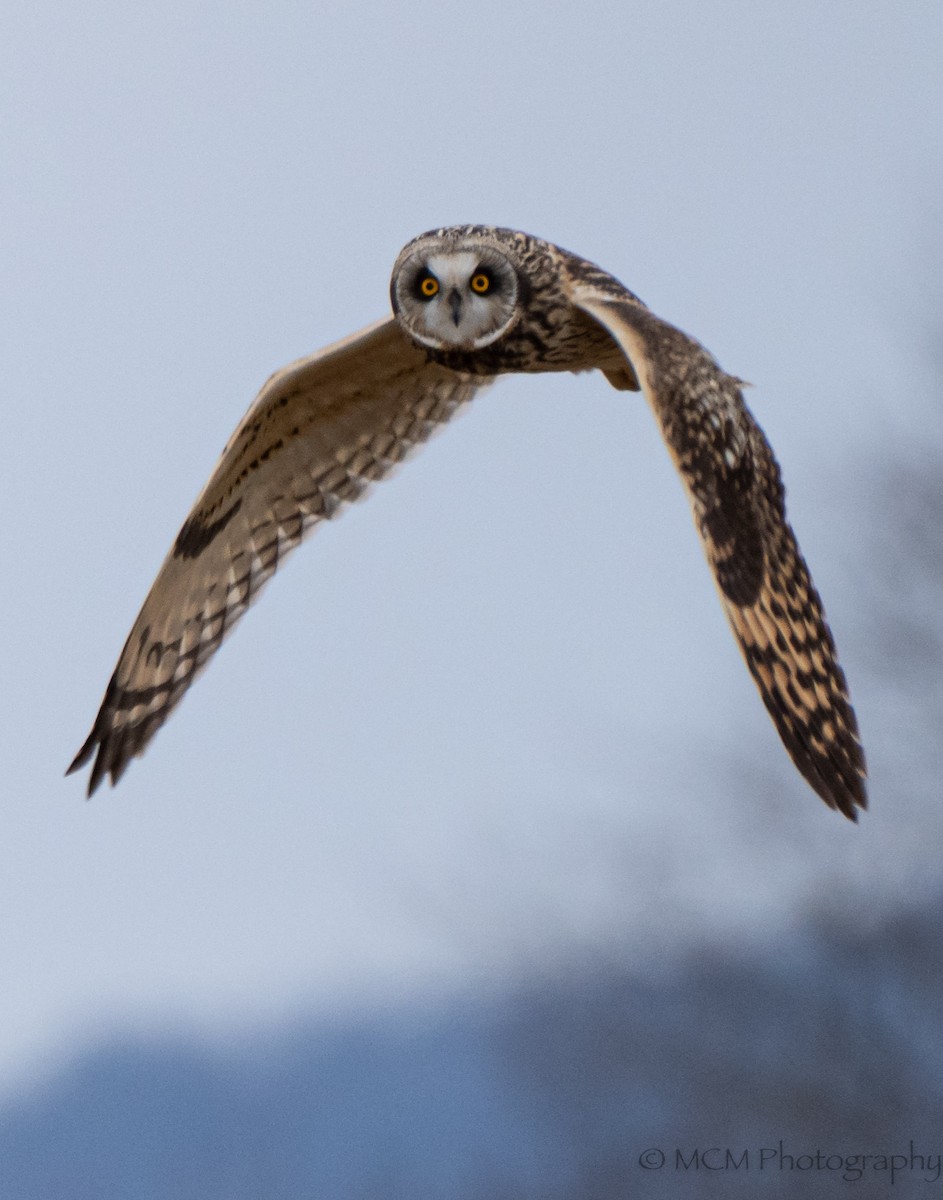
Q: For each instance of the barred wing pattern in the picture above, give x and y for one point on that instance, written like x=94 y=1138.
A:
x=320 y=431
x=736 y=492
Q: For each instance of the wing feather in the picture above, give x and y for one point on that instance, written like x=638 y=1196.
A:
x=318 y=434
x=734 y=484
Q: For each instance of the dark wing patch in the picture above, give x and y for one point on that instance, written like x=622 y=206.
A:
x=729 y=521
x=319 y=433
x=197 y=534
x=737 y=496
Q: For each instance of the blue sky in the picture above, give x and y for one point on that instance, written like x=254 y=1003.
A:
x=482 y=719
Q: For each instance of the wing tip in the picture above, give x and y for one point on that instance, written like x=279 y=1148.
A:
x=842 y=789
x=92 y=743
x=84 y=754
x=849 y=804
x=109 y=747
x=854 y=801
x=837 y=772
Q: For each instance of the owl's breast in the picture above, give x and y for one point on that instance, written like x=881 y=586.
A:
x=563 y=339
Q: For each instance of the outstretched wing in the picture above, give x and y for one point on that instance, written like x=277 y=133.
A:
x=318 y=433
x=736 y=492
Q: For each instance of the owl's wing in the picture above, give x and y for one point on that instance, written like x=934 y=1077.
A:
x=736 y=492
x=317 y=435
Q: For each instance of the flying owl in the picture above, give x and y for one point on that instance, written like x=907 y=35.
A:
x=471 y=303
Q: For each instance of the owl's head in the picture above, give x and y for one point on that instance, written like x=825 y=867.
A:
x=452 y=290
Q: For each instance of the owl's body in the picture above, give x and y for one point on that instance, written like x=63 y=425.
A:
x=471 y=303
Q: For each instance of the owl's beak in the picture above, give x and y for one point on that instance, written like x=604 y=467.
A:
x=455 y=304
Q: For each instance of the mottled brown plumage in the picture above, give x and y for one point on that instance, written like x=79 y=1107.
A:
x=471 y=303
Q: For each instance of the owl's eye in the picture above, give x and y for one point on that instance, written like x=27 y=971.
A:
x=428 y=286
x=481 y=283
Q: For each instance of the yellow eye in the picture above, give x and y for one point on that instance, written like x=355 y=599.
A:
x=480 y=283
x=429 y=286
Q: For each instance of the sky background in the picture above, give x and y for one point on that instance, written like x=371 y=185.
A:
x=490 y=717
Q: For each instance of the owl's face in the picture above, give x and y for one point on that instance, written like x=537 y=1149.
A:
x=454 y=295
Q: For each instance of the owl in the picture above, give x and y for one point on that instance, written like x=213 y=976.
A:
x=470 y=303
